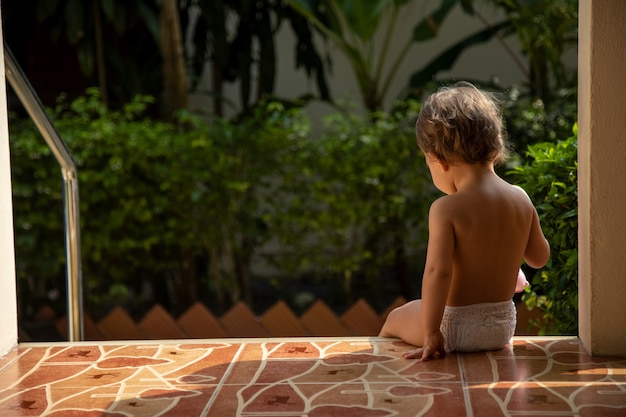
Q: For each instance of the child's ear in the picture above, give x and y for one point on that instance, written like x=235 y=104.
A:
x=444 y=165
x=433 y=159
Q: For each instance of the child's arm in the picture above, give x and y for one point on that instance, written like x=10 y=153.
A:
x=437 y=276
x=538 y=249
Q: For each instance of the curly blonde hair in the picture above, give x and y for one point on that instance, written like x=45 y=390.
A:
x=462 y=124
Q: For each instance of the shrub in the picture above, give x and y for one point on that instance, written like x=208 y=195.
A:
x=551 y=182
x=176 y=212
x=185 y=211
x=124 y=168
x=357 y=205
x=533 y=121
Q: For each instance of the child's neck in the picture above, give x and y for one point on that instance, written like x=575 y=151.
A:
x=467 y=175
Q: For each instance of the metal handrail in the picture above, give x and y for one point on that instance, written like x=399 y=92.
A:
x=35 y=109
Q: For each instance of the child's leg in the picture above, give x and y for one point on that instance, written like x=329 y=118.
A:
x=405 y=322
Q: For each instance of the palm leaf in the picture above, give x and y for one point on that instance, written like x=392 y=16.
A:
x=429 y=27
x=445 y=60
x=363 y=17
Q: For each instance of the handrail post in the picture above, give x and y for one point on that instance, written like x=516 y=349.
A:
x=35 y=109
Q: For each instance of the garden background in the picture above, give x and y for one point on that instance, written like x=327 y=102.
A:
x=206 y=175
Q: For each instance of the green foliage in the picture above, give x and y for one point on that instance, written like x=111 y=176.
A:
x=120 y=199
x=39 y=265
x=352 y=26
x=234 y=165
x=422 y=80
x=189 y=209
x=531 y=120
x=186 y=208
x=361 y=198
x=112 y=38
x=237 y=40
x=551 y=182
x=546 y=30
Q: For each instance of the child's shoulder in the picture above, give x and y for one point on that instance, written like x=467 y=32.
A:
x=517 y=188
x=448 y=204
x=520 y=192
x=499 y=194
x=508 y=190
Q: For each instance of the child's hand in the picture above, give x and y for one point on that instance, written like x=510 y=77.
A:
x=433 y=348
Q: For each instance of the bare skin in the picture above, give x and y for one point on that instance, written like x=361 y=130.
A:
x=479 y=233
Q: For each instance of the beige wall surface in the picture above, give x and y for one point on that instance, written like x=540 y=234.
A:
x=8 y=294
x=602 y=178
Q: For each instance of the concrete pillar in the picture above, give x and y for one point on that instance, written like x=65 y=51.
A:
x=8 y=298
x=602 y=176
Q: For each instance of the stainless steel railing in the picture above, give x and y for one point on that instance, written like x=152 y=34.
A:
x=36 y=111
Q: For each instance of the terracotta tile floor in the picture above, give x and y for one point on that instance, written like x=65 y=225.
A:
x=312 y=377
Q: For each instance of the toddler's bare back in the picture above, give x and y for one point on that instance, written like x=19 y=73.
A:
x=492 y=222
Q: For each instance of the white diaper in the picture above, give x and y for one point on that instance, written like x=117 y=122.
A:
x=478 y=327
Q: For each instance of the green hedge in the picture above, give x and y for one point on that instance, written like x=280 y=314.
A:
x=188 y=210
x=551 y=181
x=175 y=212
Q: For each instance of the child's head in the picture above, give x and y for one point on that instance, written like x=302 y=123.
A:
x=461 y=124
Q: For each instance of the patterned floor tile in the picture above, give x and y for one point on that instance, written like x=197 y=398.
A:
x=307 y=377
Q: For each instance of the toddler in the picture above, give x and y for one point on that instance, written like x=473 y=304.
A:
x=479 y=232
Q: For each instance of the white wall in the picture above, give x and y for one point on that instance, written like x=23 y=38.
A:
x=8 y=297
